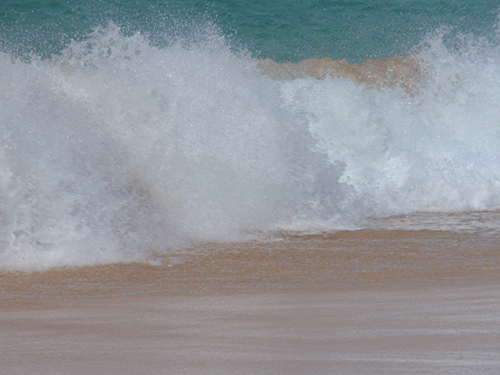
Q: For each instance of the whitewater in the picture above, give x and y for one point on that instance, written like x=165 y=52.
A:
x=117 y=148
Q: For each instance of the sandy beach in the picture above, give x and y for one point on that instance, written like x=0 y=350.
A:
x=263 y=187
x=440 y=330
x=365 y=302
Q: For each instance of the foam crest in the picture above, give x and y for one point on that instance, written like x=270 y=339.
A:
x=116 y=148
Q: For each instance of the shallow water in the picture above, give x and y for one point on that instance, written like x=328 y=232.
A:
x=399 y=252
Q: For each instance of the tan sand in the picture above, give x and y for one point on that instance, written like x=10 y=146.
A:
x=339 y=260
x=445 y=330
x=365 y=302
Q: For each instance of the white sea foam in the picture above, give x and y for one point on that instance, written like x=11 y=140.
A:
x=116 y=148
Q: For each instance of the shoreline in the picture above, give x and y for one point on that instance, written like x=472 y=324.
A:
x=363 y=302
x=341 y=260
x=445 y=329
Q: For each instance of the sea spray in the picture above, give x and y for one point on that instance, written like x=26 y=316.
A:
x=116 y=148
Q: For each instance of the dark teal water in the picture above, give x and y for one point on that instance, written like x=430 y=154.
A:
x=282 y=30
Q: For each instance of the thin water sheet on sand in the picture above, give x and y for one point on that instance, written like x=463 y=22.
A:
x=364 y=302
x=322 y=331
x=347 y=259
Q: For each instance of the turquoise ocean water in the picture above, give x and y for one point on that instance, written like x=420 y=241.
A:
x=128 y=127
x=280 y=30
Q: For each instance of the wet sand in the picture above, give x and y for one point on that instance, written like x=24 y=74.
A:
x=341 y=260
x=444 y=330
x=364 y=302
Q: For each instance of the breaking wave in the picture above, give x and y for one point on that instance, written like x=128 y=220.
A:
x=116 y=148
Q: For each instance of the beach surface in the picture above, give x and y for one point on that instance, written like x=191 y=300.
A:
x=440 y=330
x=362 y=302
